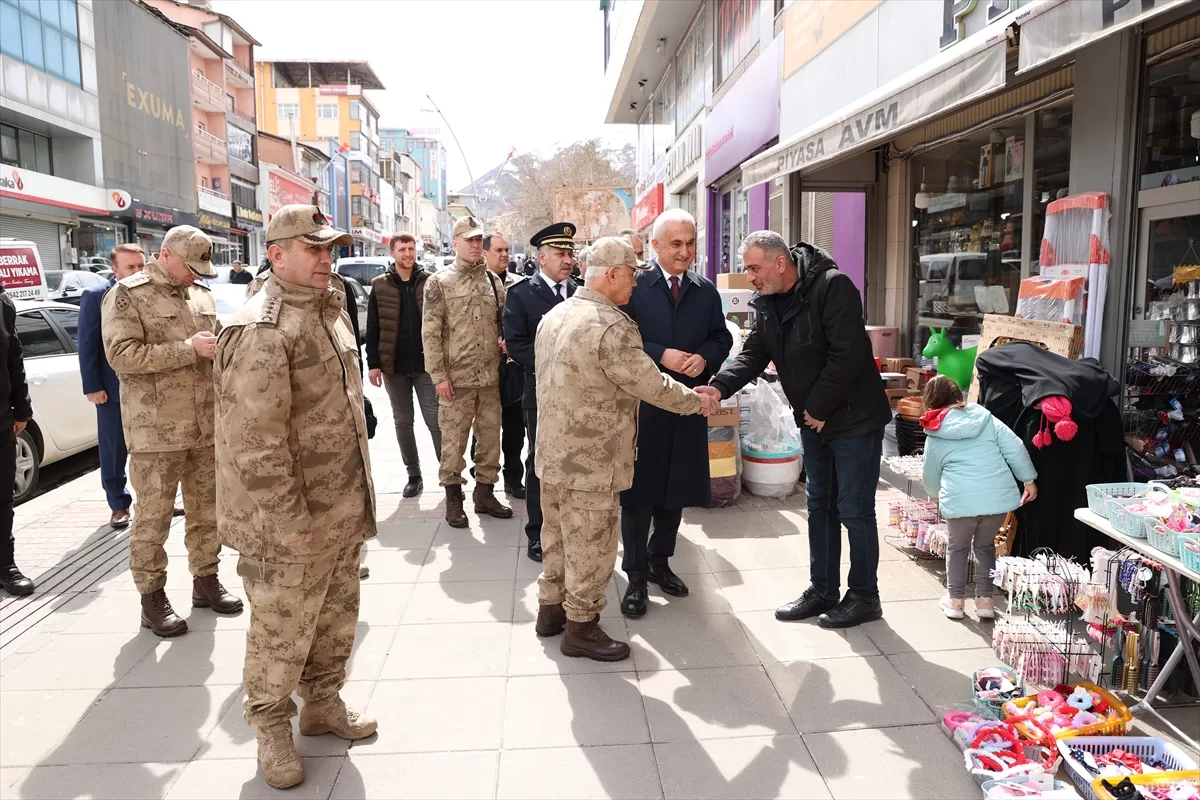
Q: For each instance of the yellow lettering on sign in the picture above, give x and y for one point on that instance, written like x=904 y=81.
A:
x=152 y=104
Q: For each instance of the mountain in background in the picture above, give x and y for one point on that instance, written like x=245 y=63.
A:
x=517 y=197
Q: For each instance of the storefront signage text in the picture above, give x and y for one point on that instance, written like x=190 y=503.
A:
x=366 y=233
x=251 y=215
x=37 y=187
x=153 y=105
x=167 y=217
x=283 y=190
x=684 y=154
x=213 y=221
x=340 y=89
x=869 y=125
x=647 y=208
x=747 y=118
x=1050 y=31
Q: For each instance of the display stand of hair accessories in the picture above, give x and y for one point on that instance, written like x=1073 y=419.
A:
x=915 y=523
x=1158 y=599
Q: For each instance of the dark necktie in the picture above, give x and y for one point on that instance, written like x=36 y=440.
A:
x=675 y=288
x=558 y=295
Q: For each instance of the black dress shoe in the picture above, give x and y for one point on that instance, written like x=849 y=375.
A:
x=667 y=580
x=634 y=602
x=535 y=551
x=413 y=487
x=13 y=582
x=515 y=489
x=806 y=605
x=853 y=610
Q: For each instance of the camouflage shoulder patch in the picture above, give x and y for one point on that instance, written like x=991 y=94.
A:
x=136 y=279
x=270 y=310
x=200 y=285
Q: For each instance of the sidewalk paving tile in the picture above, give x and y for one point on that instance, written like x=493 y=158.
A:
x=586 y=773
x=241 y=778
x=734 y=769
x=459 y=650
x=805 y=640
x=568 y=710
x=423 y=776
x=420 y=716
x=33 y=722
x=678 y=643
x=465 y=601
x=86 y=661
x=141 y=781
x=845 y=693
x=718 y=703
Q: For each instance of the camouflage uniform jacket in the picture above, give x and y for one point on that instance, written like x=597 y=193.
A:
x=147 y=323
x=293 y=470
x=591 y=374
x=460 y=325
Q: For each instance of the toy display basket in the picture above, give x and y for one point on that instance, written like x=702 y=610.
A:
x=1154 y=780
x=1099 y=493
x=1125 y=521
x=993 y=708
x=1059 y=786
x=1189 y=550
x=1110 y=727
x=1144 y=747
x=1163 y=538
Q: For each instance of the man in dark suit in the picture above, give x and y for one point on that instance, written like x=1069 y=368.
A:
x=683 y=329
x=101 y=387
x=526 y=304
x=15 y=412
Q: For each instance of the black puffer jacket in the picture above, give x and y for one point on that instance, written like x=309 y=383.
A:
x=14 y=391
x=820 y=349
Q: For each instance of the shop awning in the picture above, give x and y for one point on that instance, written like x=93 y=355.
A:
x=958 y=76
x=1054 y=29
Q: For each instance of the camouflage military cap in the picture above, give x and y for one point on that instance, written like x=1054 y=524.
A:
x=468 y=227
x=194 y=247
x=307 y=224
x=615 y=251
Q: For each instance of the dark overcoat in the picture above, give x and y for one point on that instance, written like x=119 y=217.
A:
x=671 y=470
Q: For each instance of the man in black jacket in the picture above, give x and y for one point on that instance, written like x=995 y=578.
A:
x=809 y=323
x=15 y=413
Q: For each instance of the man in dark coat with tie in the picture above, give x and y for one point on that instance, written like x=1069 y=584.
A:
x=526 y=304
x=683 y=330
x=101 y=387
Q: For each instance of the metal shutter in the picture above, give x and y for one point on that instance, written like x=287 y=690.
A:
x=776 y=206
x=46 y=235
x=816 y=219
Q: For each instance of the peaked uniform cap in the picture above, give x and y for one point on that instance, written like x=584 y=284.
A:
x=194 y=247
x=307 y=224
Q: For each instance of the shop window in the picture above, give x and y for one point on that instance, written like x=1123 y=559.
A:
x=1051 y=169
x=664 y=115
x=689 y=71
x=44 y=35
x=25 y=149
x=1171 y=151
x=736 y=34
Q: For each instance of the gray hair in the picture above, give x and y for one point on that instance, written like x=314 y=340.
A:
x=669 y=216
x=584 y=255
x=595 y=272
x=770 y=242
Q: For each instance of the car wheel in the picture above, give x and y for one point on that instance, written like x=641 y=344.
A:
x=29 y=461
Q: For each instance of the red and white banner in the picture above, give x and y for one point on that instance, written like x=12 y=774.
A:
x=284 y=189
x=36 y=187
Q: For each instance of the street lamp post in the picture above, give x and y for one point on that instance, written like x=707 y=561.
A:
x=461 y=152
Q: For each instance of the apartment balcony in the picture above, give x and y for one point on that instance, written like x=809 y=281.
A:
x=207 y=94
x=238 y=74
x=213 y=202
x=245 y=118
x=209 y=149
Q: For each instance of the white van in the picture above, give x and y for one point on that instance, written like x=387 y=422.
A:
x=21 y=272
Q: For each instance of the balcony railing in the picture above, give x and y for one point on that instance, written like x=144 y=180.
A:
x=214 y=202
x=243 y=116
x=210 y=95
x=239 y=71
x=210 y=149
x=211 y=193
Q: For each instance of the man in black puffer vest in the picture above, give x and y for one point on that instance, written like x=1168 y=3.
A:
x=809 y=322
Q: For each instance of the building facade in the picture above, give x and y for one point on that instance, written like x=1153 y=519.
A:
x=323 y=104
x=51 y=165
x=424 y=147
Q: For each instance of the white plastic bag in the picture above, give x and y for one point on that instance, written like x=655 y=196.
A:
x=772 y=427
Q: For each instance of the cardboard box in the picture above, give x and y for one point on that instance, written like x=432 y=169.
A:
x=735 y=301
x=894 y=380
x=897 y=364
x=915 y=378
x=727 y=416
x=1059 y=338
x=734 y=280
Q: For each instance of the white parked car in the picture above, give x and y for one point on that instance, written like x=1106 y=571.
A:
x=68 y=285
x=229 y=299
x=64 y=422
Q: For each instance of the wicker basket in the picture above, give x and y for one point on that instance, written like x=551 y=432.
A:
x=1098 y=494
x=1110 y=727
x=1153 y=780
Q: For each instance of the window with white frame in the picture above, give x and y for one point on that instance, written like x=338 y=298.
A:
x=327 y=111
x=664 y=115
x=689 y=73
x=287 y=111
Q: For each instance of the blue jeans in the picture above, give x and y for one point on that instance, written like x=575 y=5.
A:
x=841 y=479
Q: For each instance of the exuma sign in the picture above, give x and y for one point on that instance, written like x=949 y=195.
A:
x=955 y=13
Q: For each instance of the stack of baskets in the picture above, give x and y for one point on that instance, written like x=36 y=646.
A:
x=1144 y=747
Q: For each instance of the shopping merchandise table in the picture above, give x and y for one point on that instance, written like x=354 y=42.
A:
x=1189 y=630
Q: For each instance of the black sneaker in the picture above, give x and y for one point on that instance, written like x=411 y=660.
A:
x=414 y=486
x=13 y=582
x=853 y=610
x=515 y=489
x=806 y=605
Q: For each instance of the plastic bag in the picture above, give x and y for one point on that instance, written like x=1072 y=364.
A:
x=772 y=428
x=724 y=466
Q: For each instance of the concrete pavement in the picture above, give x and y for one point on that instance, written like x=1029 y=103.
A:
x=718 y=700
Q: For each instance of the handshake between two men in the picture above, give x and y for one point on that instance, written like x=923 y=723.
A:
x=691 y=365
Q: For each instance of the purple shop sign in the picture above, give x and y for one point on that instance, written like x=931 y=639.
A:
x=747 y=117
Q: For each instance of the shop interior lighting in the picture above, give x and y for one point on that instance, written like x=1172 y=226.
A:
x=642 y=86
x=997 y=136
x=923 y=197
x=658 y=48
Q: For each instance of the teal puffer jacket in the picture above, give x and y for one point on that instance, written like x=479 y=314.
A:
x=970 y=461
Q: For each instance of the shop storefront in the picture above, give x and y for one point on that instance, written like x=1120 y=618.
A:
x=367 y=241
x=226 y=247
x=249 y=229
x=685 y=176
x=648 y=202
x=95 y=238
x=150 y=223
x=43 y=208
x=745 y=122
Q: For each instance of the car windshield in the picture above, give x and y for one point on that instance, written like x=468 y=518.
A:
x=54 y=280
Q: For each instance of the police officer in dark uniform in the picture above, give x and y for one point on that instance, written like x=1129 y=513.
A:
x=527 y=302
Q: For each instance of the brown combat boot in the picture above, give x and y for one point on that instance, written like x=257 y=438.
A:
x=455 y=516
x=550 y=620
x=159 y=617
x=333 y=717
x=587 y=639
x=207 y=592
x=281 y=765
x=486 y=502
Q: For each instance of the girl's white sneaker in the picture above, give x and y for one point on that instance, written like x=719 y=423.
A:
x=985 y=608
x=952 y=607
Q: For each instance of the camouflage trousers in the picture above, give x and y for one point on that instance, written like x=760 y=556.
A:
x=303 y=619
x=579 y=549
x=156 y=478
x=470 y=408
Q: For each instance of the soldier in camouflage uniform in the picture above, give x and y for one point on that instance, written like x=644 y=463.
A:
x=591 y=374
x=296 y=498
x=159 y=329
x=461 y=332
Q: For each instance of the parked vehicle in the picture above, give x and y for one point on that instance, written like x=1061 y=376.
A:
x=68 y=285
x=360 y=302
x=95 y=263
x=363 y=269
x=64 y=422
x=229 y=299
